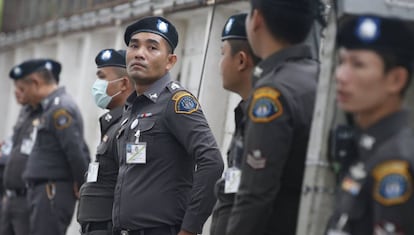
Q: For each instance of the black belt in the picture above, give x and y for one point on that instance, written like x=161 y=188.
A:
x=16 y=192
x=95 y=226
x=34 y=183
x=173 y=230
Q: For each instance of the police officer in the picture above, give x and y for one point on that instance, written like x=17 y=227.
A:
x=169 y=160
x=236 y=66
x=15 y=211
x=110 y=91
x=279 y=118
x=58 y=155
x=375 y=66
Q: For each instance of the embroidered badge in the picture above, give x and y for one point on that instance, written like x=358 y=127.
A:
x=392 y=182
x=162 y=26
x=185 y=103
x=106 y=55
x=49 y=66
x=368 y=29
x=265 y=105
x=62 y=119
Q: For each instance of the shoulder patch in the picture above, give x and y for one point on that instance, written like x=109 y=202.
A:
x=265 y=105
x=393 y=182
x=62 y=119
x=185 y=102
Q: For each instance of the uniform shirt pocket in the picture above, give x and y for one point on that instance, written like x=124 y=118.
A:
x=147 y=130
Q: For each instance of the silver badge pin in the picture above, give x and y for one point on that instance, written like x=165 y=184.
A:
x=358 y=171
x=56 y=101
x=108 y=117
x=153 y=96
x=134 y=124
x=124 y=121
x=257 y=71
x=367 y=142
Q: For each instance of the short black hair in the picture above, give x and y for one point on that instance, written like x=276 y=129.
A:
x=121 y=72
x=391 y=60
x=47 y=76
x=287 y=20
x=242 y=45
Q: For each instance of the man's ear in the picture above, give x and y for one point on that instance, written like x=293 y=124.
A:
x=397 y=79
x=257 y=19
x=172 y=59
x=125 y=83
x=243 y=61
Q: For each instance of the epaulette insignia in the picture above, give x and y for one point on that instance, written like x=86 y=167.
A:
x=62 y=119
x=185 y=102
x=265 y=105
x=393 y=182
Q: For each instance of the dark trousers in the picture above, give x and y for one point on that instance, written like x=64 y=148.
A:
x=221 y=211
x=166 y=230
x=14 y=215
x=51 y=207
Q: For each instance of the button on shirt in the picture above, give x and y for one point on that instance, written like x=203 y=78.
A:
x=175 y=184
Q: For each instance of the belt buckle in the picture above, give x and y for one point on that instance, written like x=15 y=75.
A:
x=124 y=232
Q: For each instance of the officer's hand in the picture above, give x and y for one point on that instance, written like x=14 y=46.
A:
x=183 y=232
x=76 y=190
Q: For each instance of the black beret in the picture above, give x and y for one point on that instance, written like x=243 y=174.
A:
x=377 y=34
x=153 y=24
x=110 y=57
x=235 y=28
x=29 y=66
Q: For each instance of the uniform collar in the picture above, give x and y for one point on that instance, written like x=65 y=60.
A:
x=52 y=98
x=383 y=129
x=157 y=87
x=109 y=118
x=152 y=93
x=289 y=53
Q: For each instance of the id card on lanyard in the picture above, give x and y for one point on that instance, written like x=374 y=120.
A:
x=136 y=152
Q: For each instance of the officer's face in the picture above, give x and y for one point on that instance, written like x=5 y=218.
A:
x=228 y=68
x=21 y=91
x=148 y=58
x=361 y=83
x=116 y=83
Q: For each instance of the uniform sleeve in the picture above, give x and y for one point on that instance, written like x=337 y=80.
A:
x=393 y=207
x=187 y=123
x=69 y=133
x=268 y=139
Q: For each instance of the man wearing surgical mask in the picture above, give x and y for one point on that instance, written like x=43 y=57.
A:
x=110 y=91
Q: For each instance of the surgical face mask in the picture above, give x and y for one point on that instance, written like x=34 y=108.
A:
x=102 y=99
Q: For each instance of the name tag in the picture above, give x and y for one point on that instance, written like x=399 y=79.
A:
x=136 y=153
x=27 y=146
x=232 y=180
x=93 y=172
